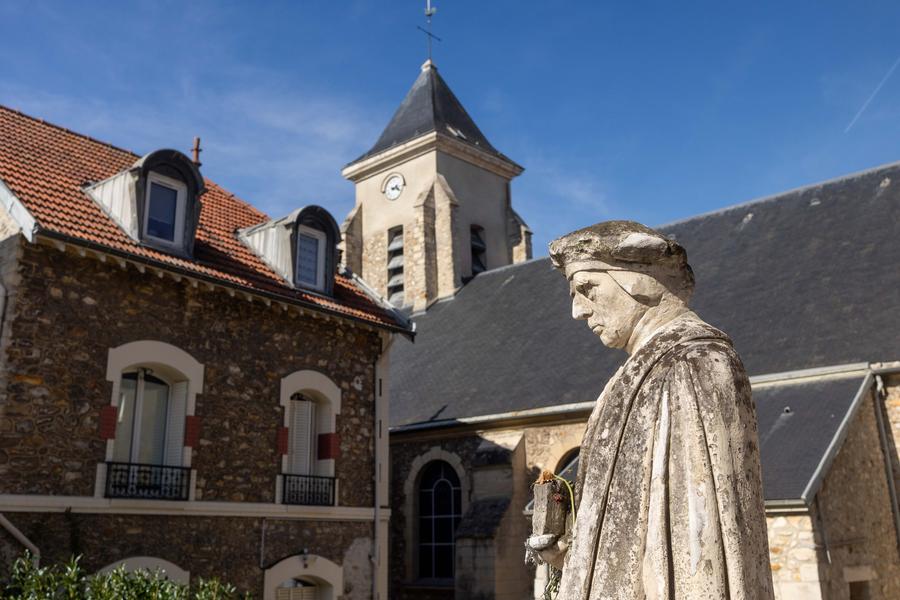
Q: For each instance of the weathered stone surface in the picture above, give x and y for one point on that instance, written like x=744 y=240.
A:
x=669 y=494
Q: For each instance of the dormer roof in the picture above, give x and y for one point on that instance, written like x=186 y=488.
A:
x=430 y=106
x=45 y=174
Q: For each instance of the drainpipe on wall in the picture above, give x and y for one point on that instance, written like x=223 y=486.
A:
x=881 y=394
x=379 y=429
x=20 y=537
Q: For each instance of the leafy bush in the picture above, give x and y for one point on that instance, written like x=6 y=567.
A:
x=70 y=582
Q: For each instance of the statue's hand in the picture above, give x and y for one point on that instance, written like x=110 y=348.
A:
x=551 y=548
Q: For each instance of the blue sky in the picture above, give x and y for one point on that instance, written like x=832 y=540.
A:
x=650 y=111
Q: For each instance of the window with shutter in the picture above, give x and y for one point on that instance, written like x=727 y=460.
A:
x=302 y=435
x=297 y=590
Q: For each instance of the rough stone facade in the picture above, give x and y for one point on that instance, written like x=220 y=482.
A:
x=70 y=310
x=498 y=465
x=858 y=530
x=229 y=548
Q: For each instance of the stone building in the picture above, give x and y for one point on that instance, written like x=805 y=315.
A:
x=185 y=383
x=500 y=381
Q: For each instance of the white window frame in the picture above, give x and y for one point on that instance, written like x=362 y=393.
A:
x=137 y=417
x=180 y=201
x=155 y=355
x=320 y=257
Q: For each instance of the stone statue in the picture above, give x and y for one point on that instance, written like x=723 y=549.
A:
x=668 y=495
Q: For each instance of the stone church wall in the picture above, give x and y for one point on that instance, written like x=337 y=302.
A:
x=857 y=526
x=849 y=535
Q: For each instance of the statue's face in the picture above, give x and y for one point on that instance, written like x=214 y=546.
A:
x=610 y=312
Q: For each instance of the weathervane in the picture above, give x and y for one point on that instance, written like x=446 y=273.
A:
x=429 y=11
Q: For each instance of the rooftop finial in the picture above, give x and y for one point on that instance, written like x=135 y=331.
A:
x=429 y=12
x=196 y=150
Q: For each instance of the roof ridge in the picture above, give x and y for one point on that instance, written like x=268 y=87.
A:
x=776 y=196
x=67 y=130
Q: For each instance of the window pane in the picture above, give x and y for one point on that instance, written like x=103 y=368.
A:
x=425 y=499
x=125 y=418
x=307 y=259
x=161 y=217
x=443 y=530
x=426 y=569
x=154 y=405
x=443 y=497
x=425 y=531
x=443 y=561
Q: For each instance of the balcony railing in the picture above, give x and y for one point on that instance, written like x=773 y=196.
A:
x=309 y=490
x=154 y=482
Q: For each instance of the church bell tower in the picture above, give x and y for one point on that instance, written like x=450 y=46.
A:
x=433 y=206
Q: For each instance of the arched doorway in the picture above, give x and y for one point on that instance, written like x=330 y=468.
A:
x=303 y=577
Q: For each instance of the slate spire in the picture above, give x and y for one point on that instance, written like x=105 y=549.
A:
x=429 y=106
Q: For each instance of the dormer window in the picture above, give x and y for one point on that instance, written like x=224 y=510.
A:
x=164 y=216
x=310 y=257
x=156 y=201
x=301 y=247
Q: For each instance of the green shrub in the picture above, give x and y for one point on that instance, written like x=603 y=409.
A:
x=70 y=582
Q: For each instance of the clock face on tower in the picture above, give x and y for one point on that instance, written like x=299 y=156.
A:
x=393 y=187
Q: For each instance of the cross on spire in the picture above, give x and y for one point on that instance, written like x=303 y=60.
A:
x=429 y=12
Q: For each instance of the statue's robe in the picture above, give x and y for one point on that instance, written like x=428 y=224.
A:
x=669 y=495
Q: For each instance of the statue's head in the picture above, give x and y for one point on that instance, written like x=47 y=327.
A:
x=617 y=271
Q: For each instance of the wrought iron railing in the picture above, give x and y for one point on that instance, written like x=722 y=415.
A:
x=309 y=490
x=155 y=482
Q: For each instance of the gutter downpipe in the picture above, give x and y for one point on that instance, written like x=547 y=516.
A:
x=20 y=537
x=380 y=428
x=880 y=394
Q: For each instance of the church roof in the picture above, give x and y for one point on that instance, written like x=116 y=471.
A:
x=46 y=169
x=430 y=105
x=809 y=278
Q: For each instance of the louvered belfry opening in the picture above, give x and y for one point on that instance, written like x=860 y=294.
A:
x=395 y=266
x=479 y=262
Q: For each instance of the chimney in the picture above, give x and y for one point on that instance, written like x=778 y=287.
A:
x=196 y=151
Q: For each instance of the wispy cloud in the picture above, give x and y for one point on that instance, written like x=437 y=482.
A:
x=277 y=148
x=874 y=93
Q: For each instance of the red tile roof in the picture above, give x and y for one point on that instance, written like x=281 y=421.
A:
x=47 y=167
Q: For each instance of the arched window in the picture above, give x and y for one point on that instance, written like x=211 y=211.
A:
x=150 y=424
x=311 y=444
x=440 y=501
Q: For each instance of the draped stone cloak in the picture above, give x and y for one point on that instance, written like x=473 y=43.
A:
x=669 y=496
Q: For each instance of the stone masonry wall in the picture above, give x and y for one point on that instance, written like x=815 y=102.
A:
x=891 y=403
x=794 y=557
x=402 y=456
x=71 y=310
x=229 y=548
x=856 y=516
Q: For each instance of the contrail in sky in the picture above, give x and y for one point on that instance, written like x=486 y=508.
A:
x=875 y=93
